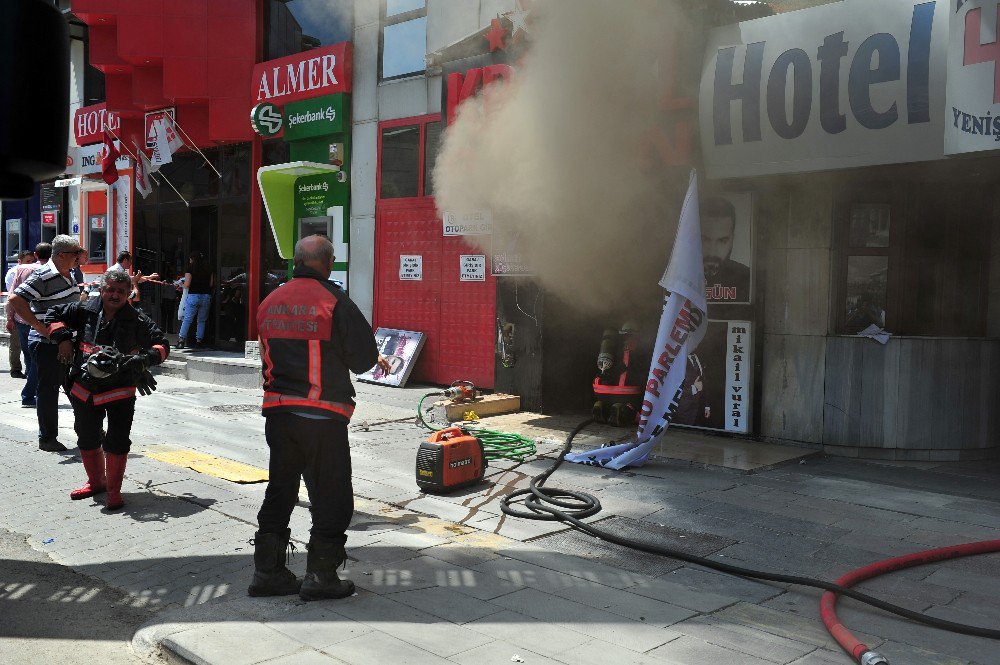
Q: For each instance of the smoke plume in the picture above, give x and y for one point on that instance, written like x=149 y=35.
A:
x=561 y=153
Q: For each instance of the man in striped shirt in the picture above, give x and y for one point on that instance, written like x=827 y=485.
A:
x=47 y=287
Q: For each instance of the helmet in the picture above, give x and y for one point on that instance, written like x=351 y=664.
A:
x=630 y=327
x=103 y=362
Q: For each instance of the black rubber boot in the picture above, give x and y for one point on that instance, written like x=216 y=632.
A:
x=321 y=580
x=270 y=576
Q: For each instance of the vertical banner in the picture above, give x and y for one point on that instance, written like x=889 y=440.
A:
x=682 y=326
x=738 y=348
x=122 y=216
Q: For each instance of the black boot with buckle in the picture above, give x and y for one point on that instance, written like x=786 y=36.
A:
x=270 y=576
x=321 y=580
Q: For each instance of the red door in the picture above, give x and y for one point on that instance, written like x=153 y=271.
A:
x=457 y=317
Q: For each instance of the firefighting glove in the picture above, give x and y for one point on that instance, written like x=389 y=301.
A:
x=139 y=366
x=145 y=383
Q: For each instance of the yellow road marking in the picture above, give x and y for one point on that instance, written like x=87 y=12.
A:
x=237 y=472
x=210 y=465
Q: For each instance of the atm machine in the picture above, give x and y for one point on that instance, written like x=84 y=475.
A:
x=330 y=225
x=14 y=242
x=98 y=250
x=50 y=224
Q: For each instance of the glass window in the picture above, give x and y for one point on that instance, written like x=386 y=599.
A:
x=867 y=282
x=870 y=225
x=404 y=46
x=294 y=26
x=397 y=7
x=400 y=162
x=432 y=141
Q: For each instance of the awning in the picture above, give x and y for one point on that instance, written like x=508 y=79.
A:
x=277 y=185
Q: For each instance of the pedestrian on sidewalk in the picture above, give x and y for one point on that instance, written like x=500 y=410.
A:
x=109 y=360
x=49 y=286
x=43 y=252
x=311 y=335
x=199 y=280
x=27 y=257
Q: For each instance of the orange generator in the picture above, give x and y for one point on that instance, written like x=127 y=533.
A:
x=449 y=459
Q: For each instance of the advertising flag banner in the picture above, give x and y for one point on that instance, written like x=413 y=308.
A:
x=110 y=154
x=142 y=170
x=682 y=326
x=162 y=154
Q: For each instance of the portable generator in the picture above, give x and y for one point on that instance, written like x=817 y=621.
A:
x=449 y=459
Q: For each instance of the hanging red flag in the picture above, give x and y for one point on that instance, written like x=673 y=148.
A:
x=110 y=155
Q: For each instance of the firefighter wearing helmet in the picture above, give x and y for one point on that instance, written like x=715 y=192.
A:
x=618 y=385
x=108 y=362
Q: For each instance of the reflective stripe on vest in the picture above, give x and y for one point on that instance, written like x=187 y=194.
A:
x=272 y=400
x=600 y=389
x=107 y=397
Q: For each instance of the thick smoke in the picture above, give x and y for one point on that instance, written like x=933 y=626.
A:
x=561 y=152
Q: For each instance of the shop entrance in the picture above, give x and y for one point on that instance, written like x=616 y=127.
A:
x=180 y=232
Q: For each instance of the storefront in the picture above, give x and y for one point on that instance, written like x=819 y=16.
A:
x=100 y=215
x=302 y=107
x=865 y=145
x=191 y=62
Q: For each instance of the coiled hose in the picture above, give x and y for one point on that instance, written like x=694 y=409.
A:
x=496 y=445
x=545 y=503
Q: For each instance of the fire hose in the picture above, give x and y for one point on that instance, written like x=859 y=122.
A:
x=496 y=445
x=552 y=504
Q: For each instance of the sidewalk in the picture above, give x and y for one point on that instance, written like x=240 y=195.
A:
x=450 y=580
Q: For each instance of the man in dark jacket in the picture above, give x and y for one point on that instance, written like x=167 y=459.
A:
x=311 y=336
x=109 y=360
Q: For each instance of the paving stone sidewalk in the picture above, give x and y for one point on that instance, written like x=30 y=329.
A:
x=451 y=580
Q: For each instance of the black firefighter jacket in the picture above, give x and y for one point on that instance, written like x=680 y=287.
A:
x=130 y=331
x=311 y=334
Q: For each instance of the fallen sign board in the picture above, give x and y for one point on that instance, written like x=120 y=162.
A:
x=400 y=348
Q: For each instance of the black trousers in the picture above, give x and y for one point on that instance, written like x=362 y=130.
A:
x=89 y=420
x=50 y=375
x=318 y=452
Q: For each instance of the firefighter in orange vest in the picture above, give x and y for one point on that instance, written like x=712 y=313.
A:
x=311 y=336
x=618 y=385
x=107 y=364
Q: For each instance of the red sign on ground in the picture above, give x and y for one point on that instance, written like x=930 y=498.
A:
x=321 y=71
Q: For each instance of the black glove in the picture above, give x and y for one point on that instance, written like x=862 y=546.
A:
x=145 y=383
x=136 y=364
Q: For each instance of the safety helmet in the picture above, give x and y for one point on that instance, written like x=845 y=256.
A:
x=630 y=327
x=103 y=362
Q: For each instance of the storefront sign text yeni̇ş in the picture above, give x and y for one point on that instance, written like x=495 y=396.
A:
x=972 y=116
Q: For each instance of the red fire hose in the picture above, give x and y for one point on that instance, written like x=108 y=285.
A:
x=828 y=603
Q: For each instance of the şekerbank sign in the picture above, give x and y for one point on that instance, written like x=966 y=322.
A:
x=852 y=83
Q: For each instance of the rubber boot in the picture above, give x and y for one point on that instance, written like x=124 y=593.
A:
x=93 y=464
x=321 y=580
x=598 y=414
x=270 y=576
x=116 y=473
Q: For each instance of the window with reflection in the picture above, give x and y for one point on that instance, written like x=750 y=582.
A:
x=294 y=26
x=403 y=39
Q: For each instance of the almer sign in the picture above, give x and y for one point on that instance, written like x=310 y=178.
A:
x=321 y=71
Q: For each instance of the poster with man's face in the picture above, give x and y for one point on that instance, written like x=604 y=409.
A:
x=727 y=247
x=717 y=380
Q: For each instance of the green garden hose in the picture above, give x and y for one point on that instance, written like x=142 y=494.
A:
x=496 y=445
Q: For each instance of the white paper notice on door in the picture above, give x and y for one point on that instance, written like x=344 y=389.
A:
x=411 y=267
x=473 y=268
